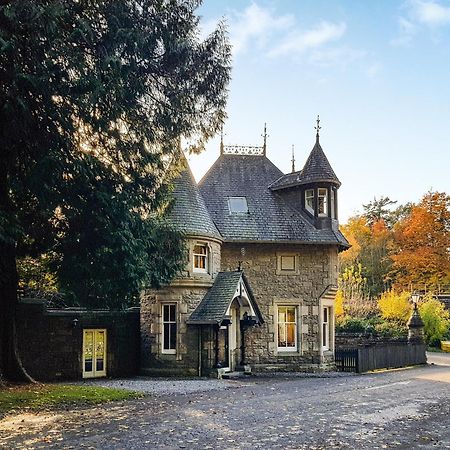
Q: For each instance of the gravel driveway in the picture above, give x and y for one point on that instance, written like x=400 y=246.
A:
x=402 y=409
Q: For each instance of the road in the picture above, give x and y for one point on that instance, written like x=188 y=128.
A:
x=402 y=409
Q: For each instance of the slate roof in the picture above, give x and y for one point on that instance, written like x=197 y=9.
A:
x=270 y=218
x=317 y=169
x=215 y=303
x=188 y=211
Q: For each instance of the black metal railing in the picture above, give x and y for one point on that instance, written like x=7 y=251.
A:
x=346 y=360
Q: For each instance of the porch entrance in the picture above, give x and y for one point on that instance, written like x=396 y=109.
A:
x=229 y=341
x=94 y=353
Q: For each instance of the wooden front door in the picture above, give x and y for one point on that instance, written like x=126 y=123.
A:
x=94 y=353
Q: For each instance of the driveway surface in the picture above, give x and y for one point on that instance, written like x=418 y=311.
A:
x=402 y=409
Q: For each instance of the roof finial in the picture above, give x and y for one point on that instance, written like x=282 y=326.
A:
x=221 y=140
x=265 y=136
x=317 y=128
x=293 y=159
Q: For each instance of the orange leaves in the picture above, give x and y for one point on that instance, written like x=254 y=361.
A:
x=421 y=250
x=413 y=253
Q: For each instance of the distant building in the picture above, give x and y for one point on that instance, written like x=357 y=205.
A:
x=259 y=288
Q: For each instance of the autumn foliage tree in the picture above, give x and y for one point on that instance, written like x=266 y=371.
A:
x=370 y=239
x=421 y=245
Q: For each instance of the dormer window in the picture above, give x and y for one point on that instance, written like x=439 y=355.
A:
x=237 y=204
x=323 y=202
x=309 y=200
x=333 y=203
x=200 y=257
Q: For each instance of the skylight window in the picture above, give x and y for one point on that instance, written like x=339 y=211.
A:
x=237 y=204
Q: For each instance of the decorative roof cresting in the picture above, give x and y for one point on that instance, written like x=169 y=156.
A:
x=243 y=150
x=249 y=150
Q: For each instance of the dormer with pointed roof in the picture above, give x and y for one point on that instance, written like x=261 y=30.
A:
x=312 y=190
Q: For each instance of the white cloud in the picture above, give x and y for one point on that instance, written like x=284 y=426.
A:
x=298 y=42
x=373 y=70
x=207 y=27
x=407 y=30
x=341 y=56
x=256 y=23
x=421 y=13
x=430 y=13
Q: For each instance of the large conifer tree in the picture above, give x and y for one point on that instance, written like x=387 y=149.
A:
x=95 y=97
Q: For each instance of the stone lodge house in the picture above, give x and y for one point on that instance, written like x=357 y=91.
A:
x=258 y=290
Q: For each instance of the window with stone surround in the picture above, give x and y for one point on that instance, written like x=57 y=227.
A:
x=169 y=328
x=326 y=328
x=287 y=324
x=200 y=258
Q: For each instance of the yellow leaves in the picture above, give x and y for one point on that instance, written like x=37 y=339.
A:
x=339 y=304
x=395 y=306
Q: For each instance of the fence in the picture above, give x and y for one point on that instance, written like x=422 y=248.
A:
x=380 y=356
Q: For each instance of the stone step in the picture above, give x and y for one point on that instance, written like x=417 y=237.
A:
x=234 y=375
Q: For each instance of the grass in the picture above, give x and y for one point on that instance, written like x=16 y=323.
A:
x=40 y=396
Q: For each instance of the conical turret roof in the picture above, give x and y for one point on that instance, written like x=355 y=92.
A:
x=188 y=212
x=317 y=168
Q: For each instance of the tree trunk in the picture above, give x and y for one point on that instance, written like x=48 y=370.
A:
x=11 y=367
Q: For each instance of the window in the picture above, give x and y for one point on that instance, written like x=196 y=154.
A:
x=333 y=203
x=288 y=263
x=309 y=200
x=237 y=205
x=323 y=202
x=287 y=328
x=326 y=328
x=200 y=257
x=169 y=330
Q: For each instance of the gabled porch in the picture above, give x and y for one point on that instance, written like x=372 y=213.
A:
x=224 y=316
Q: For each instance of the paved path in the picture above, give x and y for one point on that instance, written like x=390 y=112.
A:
x=442 y=359
x=403 y=409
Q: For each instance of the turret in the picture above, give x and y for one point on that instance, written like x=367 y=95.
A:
x=313 y=190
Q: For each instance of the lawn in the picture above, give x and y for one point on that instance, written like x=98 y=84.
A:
x=45 y=396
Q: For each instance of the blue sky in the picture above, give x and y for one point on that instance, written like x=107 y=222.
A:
x=377 y=72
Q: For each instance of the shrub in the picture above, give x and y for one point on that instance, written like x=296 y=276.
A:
x=390 y=328
x=436 y=320
x=394 y=306
x=354 y=325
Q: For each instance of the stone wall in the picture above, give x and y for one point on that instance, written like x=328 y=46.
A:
x=187 y=292
x=154 y=361
x=50 y=341
x=317 y=269
x=353 y=340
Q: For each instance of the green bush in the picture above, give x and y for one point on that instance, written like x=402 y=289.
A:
x=436 y=320
x=390 y=328
x=374 y=325
x=354 y=325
